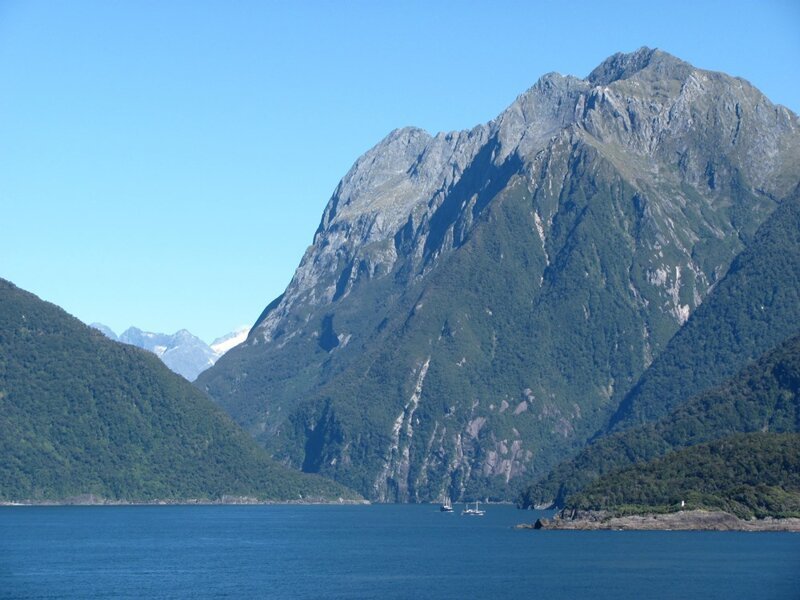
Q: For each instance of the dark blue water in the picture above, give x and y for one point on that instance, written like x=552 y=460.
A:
x=393 y=551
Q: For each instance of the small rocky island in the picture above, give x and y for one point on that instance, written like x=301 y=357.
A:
x=685 y=520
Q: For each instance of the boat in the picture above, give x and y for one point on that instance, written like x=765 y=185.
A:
x=446 y=506
x=473 y=512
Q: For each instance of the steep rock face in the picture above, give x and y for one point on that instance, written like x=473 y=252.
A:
x=476 y=304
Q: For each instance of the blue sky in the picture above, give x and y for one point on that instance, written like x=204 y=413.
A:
x=165 y=164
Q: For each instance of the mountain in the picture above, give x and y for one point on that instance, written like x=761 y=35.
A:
x=105 y=330
x=753 y=475
x=764 y=396
x=476 y=305
x=184 y=353
x=81 y=414
x=222 y=344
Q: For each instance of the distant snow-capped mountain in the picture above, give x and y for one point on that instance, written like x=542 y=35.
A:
x=222 y=344
x=105 y=330
x=183 y=352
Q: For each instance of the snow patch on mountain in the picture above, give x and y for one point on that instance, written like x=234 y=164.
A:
x=184 y=353
x=222 y=344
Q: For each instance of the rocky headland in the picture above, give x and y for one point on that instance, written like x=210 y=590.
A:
x=688 y=520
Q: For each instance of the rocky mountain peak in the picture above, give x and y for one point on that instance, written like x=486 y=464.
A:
x=372 y=183
x=622 y=66
x=639 y=107
x=454 y=276
x=537 y=115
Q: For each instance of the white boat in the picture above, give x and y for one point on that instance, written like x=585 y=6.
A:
x=473 y=512
x=446 y=506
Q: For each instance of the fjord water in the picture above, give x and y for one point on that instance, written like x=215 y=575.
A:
x=380 y=551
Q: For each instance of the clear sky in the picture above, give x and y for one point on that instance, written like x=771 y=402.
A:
x=165 y=164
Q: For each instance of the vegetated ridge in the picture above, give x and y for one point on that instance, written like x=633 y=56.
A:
x=755 y=307
x=749 y=475
x=83 y=416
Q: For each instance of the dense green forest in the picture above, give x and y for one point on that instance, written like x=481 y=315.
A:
x=80 y=414
x=752 y=310
x=763 y=396
x=753 y=475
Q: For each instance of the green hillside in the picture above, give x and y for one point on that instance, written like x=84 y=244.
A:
x=752 y=475
x=765 y=396
x=753 y=309
x=80 y=414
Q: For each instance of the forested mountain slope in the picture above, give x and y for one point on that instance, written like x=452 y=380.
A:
x=764 y=396
x=756 y=307
x=753 y=475
x=81 y=414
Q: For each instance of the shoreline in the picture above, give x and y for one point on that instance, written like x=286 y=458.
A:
x=92 y=500
x=690 y=520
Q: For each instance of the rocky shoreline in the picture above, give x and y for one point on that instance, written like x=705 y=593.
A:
x=689 y=520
